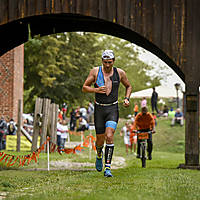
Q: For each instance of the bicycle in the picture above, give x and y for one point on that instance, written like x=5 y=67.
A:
x=143 y=136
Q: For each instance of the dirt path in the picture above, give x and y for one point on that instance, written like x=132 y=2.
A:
x=118 y=162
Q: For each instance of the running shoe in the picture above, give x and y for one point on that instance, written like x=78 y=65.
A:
x=99 y=164
x=150 y=157
x=107 y=173
x=138 y=156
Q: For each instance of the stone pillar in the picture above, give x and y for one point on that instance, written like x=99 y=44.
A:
x=11 y=82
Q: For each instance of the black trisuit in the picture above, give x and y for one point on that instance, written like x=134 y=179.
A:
x=106 y=113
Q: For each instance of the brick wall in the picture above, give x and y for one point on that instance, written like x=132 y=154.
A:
x=11 y=82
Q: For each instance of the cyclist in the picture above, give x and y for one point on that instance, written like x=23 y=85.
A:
x=144 y=121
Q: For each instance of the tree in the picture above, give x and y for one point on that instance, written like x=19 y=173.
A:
x=57 y=65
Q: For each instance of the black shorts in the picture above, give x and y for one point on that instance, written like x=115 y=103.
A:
x=105 y=116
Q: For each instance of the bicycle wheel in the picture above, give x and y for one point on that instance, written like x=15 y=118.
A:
x=143 y=159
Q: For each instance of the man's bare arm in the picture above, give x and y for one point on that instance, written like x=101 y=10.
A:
x=126 y=83
x=87 y=86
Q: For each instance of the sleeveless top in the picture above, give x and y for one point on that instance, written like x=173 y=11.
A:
x=113 y=96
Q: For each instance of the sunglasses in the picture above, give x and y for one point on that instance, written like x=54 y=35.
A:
x=107 y=62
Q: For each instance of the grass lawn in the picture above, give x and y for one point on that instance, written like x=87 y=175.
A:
x=160 y=180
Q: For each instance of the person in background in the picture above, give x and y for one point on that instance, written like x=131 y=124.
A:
x=155 y=118
x=83 y=112
x=72 y=120
x=136 y=109
x=165 y=111
x=60 y=114
x=12 y=128
x=78 y=114
x=64 y=111
x=106 y=80
x=59 y=132
x=64 y=134
x=83 y=125
x=143 y=102
x=154 y=101
x=3 y=132
x=178 y=118
x=126 y=132
x=171 y=113
x=90 y=112
x=133 y=137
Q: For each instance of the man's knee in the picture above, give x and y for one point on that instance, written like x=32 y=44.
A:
x=109 y=135
x=100 y=139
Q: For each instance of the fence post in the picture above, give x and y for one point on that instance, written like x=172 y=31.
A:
x=45 y=118
x=36 y=126
x=52 y=125
x=19 y=122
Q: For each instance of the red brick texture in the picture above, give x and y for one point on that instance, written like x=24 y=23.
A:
x=11 y=82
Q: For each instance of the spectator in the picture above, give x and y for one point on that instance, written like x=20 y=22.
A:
x=64 y=110
x=3 y=131
x=12 y=128
x=165 y=111
x=90 y=112
x=83 y=125
x=126 y=132
x=60 y=114
x=83 y=112
x=133 y=137
x=171 y=113
x=178 y=118
x=72 y=120
x=59 y=129
x=64 y=134
x=154 y=100
x=28 y=126
x=143 y=102
x=136 y=109
x=155 y=118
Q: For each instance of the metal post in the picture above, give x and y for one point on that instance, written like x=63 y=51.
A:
x=90 y=146
x=48 y=153
x=19 y=124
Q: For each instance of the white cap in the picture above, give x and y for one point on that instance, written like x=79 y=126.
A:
x=108 y=54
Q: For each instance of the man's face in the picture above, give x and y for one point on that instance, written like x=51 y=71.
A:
x=108 y=63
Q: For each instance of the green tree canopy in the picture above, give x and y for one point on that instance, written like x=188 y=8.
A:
x=56 y=66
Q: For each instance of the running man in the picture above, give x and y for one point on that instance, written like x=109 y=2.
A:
x=106 y=80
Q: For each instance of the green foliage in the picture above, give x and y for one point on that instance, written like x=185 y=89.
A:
x=56 y=67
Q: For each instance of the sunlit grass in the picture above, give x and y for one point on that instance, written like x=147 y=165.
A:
x=161 y=179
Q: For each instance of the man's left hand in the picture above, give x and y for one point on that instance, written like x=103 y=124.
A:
x=126 y=102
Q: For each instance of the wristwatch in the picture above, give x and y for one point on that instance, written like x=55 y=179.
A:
x=126 y=98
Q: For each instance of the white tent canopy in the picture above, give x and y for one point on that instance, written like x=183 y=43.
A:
x=163 y=92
